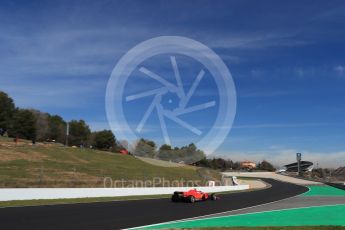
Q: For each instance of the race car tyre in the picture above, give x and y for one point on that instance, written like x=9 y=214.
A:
x=191 y=199
x=213 y=196
x=175 y=198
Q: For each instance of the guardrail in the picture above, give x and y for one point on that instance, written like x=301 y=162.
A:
x=65 y=193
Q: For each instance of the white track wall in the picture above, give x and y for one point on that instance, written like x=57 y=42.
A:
x=64 y=193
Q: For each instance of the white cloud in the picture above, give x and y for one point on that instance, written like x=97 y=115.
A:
x=282 y=125
x=340 y=70
x=59 y=53
x=57 y=94
x=257 y=41
x=265 y=93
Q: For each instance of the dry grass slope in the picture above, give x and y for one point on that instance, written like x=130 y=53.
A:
x=53 y=165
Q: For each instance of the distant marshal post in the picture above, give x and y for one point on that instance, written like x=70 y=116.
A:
x=67 y=134
x=299 y=158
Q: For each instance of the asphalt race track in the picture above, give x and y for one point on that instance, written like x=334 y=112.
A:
x=126 y=214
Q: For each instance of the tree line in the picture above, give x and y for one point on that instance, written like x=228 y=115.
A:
x=35 y=125
x=186 y=154
x=226 y=165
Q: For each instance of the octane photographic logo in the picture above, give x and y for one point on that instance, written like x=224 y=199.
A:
x=171 y=100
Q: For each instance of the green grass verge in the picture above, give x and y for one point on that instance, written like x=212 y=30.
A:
x=311 y=216
x=324 y=191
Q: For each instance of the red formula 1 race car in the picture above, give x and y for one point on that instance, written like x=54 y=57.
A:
x=192 y=195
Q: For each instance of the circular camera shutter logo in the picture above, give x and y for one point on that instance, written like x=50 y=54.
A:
x=181 y=46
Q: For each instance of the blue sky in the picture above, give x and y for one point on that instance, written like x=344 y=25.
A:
x=287 y=60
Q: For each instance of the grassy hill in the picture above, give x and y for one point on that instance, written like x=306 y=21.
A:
x=53 y=165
